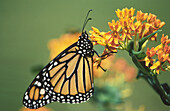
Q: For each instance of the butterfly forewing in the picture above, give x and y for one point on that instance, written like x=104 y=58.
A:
x=67 y=78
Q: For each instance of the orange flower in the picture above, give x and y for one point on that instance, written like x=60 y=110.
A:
x=126 y=28
x=156 y=66
x=151 y=18
x=156 y=23
x=162 y=51
x=58 y=45
x=103 y=38
x=39 y=109
x=165 y=40
x=125 y=12
x=126 y=24
x=114 y=26
x=148 y=59
x=140 y=16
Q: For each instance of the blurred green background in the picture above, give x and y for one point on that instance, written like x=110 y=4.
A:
x=26 y=26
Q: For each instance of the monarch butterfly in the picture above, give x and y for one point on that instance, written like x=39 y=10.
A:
x=68 y=78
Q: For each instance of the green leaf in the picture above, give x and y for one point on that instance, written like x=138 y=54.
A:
x=147 y=37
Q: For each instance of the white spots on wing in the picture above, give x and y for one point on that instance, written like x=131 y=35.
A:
x=42 y=91
x=46 y=74
x=61 y=97
x=71 y=97
x=45 y=83
x=58 y=98
x=34 y=102
x=39 y=101
x=29 y=101
x=26 y=97
x=80 y=94
x=39 y=84
x=80 y=52
x=48 y=101
x=38 y=77
x=48 y=85
x=50 y=67
x=73 y=100
x=44 y=78
x=51 y=62
x=55 y=63
x=81 y=98
x=44 y=69
x=46 y=97
x=64 y=54
x=41 y=104
x=36 y=82
x=26 y=93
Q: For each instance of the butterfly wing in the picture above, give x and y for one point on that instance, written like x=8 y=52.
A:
x=67 y=78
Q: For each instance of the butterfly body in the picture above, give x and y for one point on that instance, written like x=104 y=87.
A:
x=68 y=78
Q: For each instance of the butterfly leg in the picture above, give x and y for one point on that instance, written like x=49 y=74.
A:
x=107 y=54
x=102 y=57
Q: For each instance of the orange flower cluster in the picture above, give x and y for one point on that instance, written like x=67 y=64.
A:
x=58 y=45
x=161 y=52
x=103 y=38
x=127 y=27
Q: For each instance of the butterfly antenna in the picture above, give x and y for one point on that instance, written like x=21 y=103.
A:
x=86 y=19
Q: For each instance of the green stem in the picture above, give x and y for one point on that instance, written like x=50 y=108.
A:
x=151 y=79
x=135 y=38
x=155 y=84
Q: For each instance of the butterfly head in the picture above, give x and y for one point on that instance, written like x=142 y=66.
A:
x=85 y=45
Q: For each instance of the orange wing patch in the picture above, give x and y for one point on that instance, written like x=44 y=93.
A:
x=80 y=77
x=31 y=93
x=67 y=57
x=71 y=66
x=87 y=76
x=55 y=69
x=57 y=76
x=73 y=89
x=65 y=89
x=57 y=88
x=36 y=95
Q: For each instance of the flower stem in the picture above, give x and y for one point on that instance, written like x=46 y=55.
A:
x=151 y=79
x=155 y=84
x=134 y=46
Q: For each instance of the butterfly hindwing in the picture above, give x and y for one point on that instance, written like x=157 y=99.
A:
x=68 y=78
